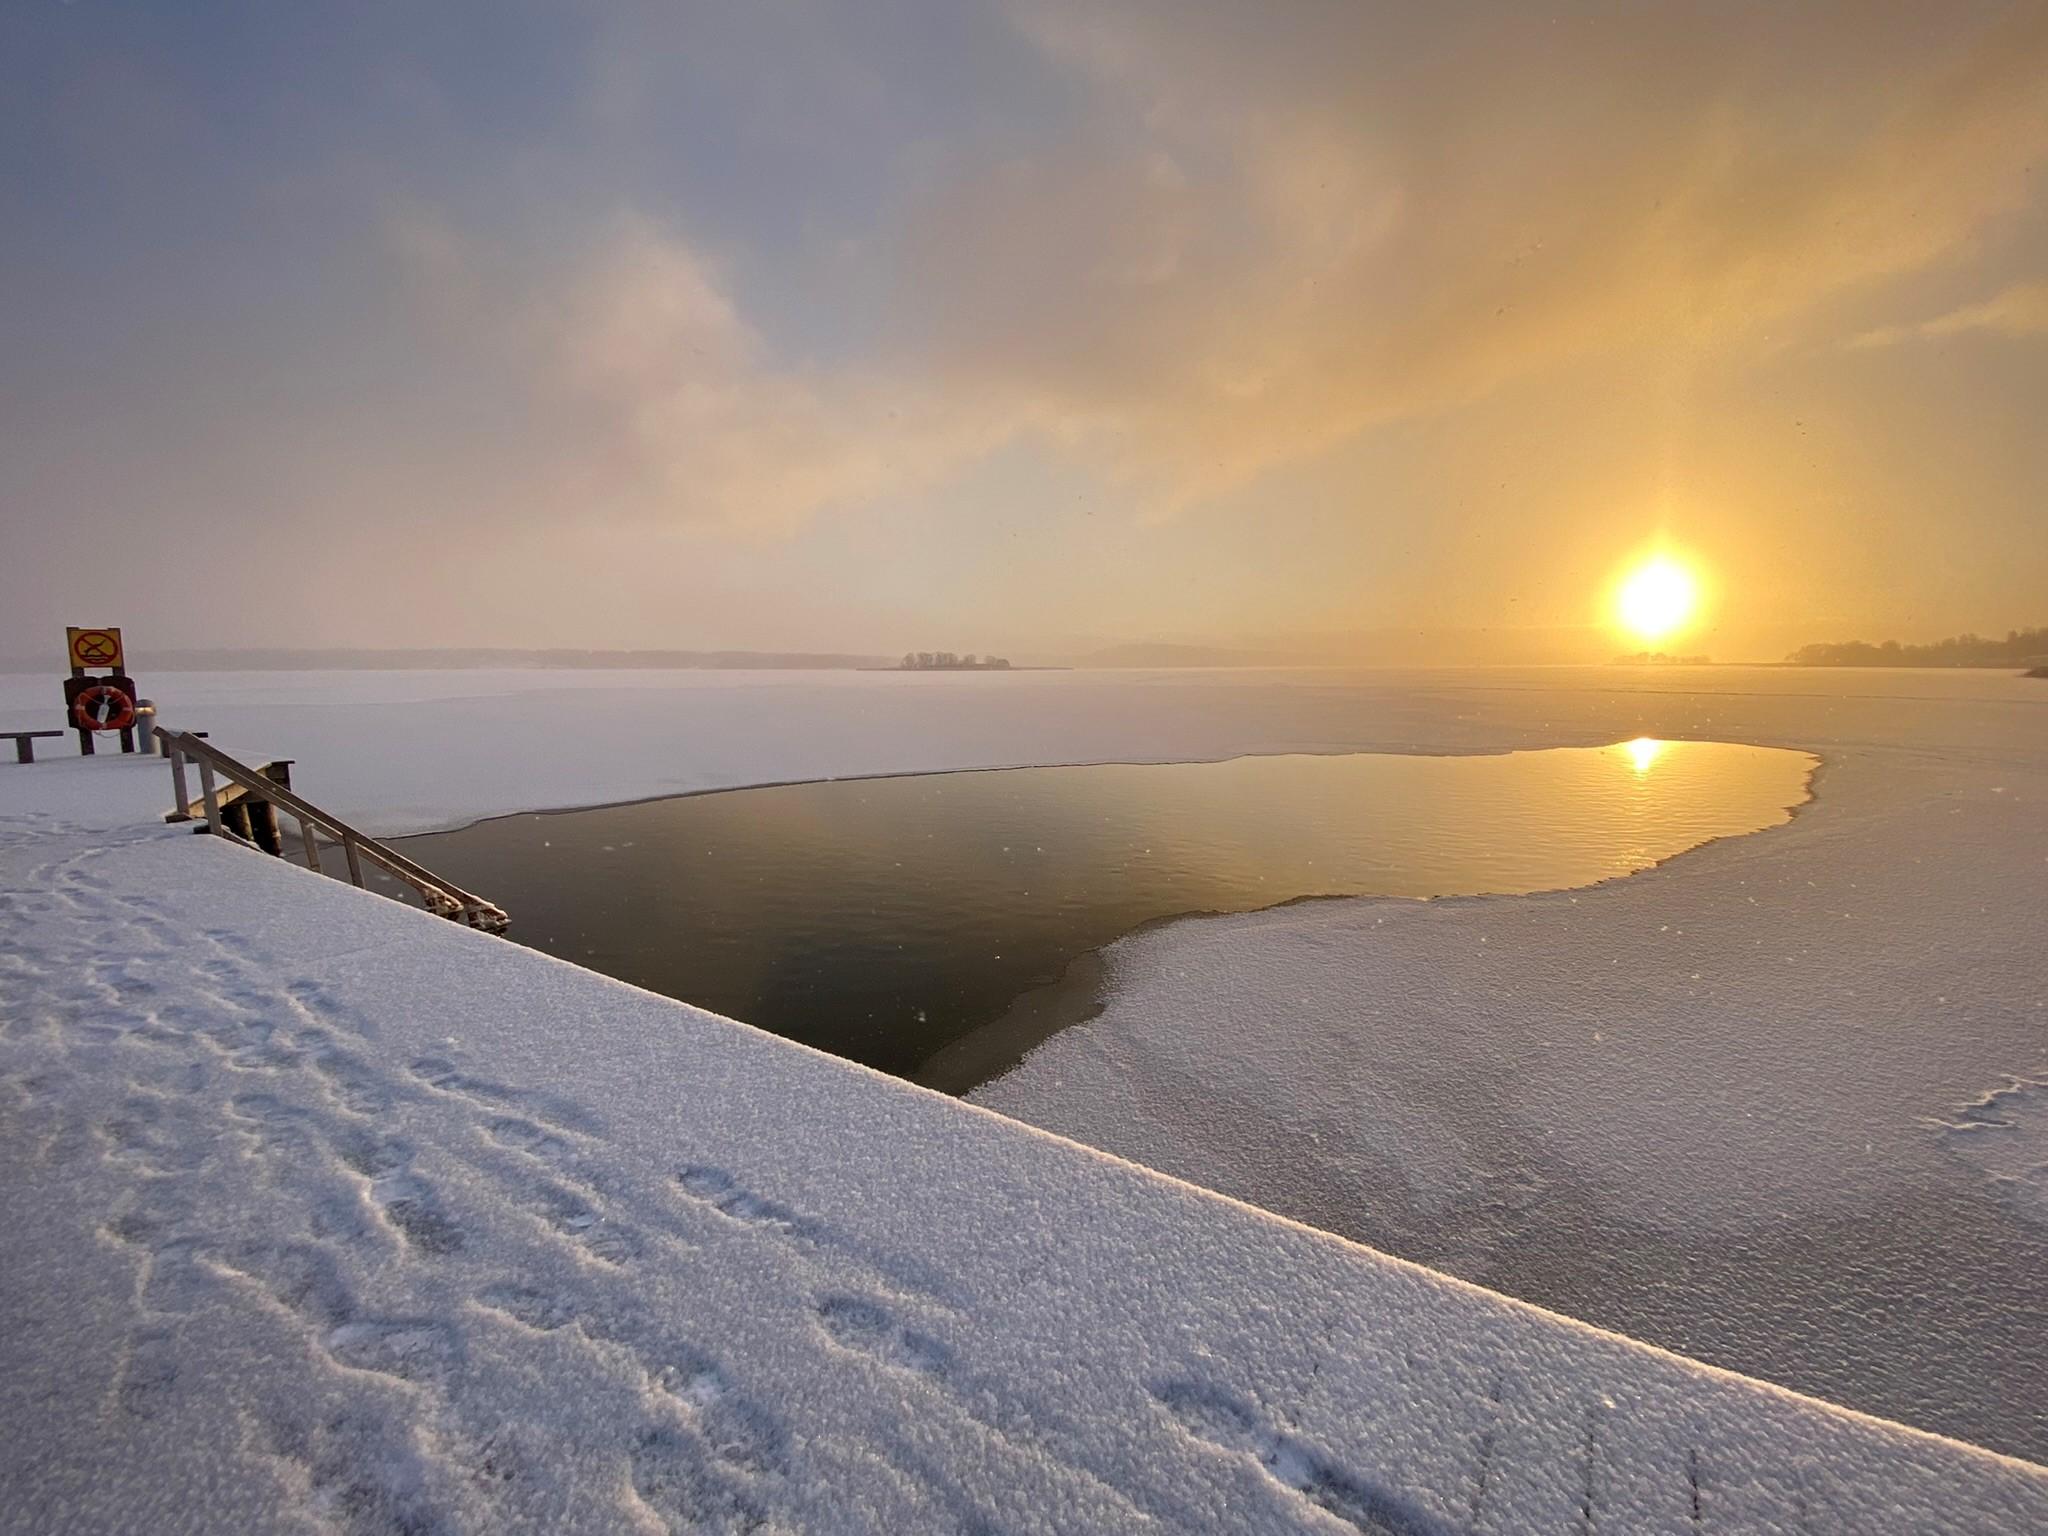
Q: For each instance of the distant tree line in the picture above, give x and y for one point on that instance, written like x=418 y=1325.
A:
x=2019 y=648
x=946 y=661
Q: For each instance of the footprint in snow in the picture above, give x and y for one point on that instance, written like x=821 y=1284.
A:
x=718 y=1189
x=738 y=1431
x=1219 y=1419
x=173 y=1278
x=677 y=1477
x=538 y=1310
x=299 y=1277
x=401 y=1197
x=275 y=1125
x=355 y=1085
x=142 y=1134
x=524 y=1136
x=869 y=1328
x=417 y=1349
x=442 y=1075
x=573 y=1217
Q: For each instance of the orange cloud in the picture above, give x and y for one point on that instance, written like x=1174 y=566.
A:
x=1258 y=243
x=1266 y=252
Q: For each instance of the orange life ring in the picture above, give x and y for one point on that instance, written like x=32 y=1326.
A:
x=103 y=707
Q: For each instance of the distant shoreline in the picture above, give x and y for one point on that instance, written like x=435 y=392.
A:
x=465 y=659
x=173 y=659
x=1909 y=666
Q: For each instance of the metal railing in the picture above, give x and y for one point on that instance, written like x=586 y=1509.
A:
x=248 y=789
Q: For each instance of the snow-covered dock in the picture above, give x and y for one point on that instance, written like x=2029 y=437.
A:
x=322 y=1213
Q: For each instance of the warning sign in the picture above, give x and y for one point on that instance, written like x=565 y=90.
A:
x=94 y=647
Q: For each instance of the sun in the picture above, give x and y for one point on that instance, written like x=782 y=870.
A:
x=1657 y=598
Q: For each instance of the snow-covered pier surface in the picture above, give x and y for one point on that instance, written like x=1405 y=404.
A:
x=322 y=1214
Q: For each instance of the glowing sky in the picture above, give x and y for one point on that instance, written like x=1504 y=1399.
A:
x=799 y=324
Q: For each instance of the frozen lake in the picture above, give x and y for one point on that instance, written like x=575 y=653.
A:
x=1776 y=1105
x=895 y=920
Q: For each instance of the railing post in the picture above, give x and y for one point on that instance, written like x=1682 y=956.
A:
x=212 y=801
x=183 y=809
x=259 y=795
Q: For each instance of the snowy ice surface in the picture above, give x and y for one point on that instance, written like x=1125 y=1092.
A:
x=414 y=751
x=2004 y=1134
x=324 y=1214
x=1712 y=1105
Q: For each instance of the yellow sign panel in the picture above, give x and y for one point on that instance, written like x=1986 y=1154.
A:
x=94 y=647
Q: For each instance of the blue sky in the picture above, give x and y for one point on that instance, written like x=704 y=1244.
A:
x=1025 y=326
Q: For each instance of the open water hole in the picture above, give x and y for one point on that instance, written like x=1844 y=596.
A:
x=924 y=924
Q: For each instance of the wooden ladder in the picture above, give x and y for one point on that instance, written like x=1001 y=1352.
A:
x=244 y=810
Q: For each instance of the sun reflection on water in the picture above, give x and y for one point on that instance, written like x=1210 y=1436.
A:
x=1642 y=752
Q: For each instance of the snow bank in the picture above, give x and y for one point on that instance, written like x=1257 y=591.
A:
x=323 y=1214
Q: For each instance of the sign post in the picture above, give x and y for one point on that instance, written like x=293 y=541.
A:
x=98 y=703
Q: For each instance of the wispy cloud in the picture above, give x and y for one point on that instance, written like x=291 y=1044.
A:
x=695 y=419
x=655 y=400
x=2021 y=310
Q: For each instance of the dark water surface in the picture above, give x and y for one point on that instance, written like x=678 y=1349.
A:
x=897 y=921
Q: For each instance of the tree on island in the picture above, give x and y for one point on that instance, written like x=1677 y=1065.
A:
x=946 y=661
x=2019 y=648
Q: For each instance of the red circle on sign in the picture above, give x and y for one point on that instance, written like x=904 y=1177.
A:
x=103 y=707
x=94 y=648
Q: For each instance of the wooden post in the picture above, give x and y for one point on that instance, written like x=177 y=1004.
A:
x=84 y=736
x=312 y=845
x=355 y=863
x=212 y=800
x=183 y=810
x=263 y=823
x=236 y=814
